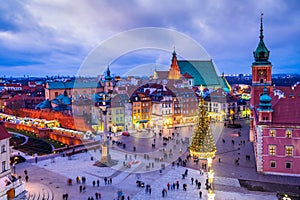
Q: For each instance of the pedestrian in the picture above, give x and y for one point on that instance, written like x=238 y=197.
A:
x=83 y=189
x=67 y=195
x=25 y=172
x=64 y=196
x=192 y=179
x=110 y=180
x=80 y=188
x=26 y=178
x=96 y=195
x=199 y=185
x=219 y=160
x=105 y=180
x=168 y=185
x=98 y=183
x=150 y=190
x=163 y=193
x=128 y=197
x=36 y=159
x=94 y=183
x=200 y=194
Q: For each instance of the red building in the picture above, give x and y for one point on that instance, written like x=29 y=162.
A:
x=275 y=119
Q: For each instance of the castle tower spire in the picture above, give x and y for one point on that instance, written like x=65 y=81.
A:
x=261 y=54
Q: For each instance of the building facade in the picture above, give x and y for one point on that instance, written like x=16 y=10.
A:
x=275 y=119
x=10 y=185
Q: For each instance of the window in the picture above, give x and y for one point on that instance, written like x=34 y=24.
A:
x=272 y=163
x=3 y=149
x=288 y=133
x=272 y=150
x=3 y=166
x=266 y=119
x=288 y=165
x=272 y=133
x=288 y=150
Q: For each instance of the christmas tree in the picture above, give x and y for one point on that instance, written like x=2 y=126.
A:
x=202 y=145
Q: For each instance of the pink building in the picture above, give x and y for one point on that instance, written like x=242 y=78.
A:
x=275 y=119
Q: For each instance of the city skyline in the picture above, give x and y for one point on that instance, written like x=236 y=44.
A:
x=55 y=37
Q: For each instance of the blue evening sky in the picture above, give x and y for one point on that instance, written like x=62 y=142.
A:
x=54 y=37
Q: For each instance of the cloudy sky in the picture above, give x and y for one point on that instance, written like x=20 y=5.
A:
x=55 y=37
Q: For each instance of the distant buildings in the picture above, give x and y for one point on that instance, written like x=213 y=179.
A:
x=275 y=119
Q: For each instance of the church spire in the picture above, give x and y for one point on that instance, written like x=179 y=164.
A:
x=261 y=54
x=174 y=72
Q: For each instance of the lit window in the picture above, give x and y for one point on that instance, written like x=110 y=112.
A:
x=3 y=166
x=272 y=133
x=288 y=165
x=288 y=133
x=288 y=150
x=272 y=163
x=3 y=149
x=272 y=150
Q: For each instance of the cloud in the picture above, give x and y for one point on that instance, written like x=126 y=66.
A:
x=62 y=33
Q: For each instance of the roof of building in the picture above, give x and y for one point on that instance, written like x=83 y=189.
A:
x=3 y=132
x=62 y=99
x=44 y=105
x=162 y=74
x=187 y=75
x=71 y=85
x=285 y=105
x=224 y=84
x=286 y=108
x=204 y=72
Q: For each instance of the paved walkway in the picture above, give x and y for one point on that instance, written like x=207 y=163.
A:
x=50 y=176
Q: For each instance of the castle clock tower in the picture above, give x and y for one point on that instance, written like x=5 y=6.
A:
x=261 y=69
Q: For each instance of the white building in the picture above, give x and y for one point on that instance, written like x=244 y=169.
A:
x=10 y=185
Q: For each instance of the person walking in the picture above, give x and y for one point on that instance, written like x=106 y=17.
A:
x=200 y=194
x=98 y=183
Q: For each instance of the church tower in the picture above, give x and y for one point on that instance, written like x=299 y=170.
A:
x=174 y=73
x=261 y=69
x=108 y=82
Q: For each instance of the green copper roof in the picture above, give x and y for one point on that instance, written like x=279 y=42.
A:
x=70 y=85
x=261 y=54
x=108 y=76
x=265 y=101
x=204 y=72
x=43 y=105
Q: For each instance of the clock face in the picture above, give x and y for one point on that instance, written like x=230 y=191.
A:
x=261 y=72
